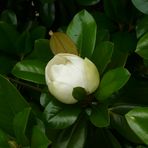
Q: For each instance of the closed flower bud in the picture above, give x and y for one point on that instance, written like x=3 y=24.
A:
x=67 y=71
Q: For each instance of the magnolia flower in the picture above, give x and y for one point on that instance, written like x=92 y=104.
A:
x=67 y=71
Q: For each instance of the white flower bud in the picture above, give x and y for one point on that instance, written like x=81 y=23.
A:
x=67 y=71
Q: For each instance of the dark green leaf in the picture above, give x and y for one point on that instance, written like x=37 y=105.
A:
x=24 y=44
x=9 y=63
x=102 y=55
x=88 y=2
x=142 y=46
x=124 y=43
x=137 y=120
x=119 y=11
x=99 y=116
x=38 y=32
x=47 y=13
x=8 y=37
x=82 y=30
x=79 y=93
x=9 y=16
x=3 y=140
x=30 y=70
x=20 y=122
x=101 y=138
x=39 y=139
x=73 y=137
x=11 y=102
x=142 y=26
x=60 y=116
x=141 y=5
x=111 y=82
x=41 y=51
x=102 y=35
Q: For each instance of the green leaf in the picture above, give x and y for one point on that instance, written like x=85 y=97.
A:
x=82 y=30
x=99 y=116
x=79 y=93
x=111 y=82
x=142 y=46
x=45 y=98
x=24 y=44
x=41 y=51
x=102 y=55
x=38 y=32
x=119 y=11
x=101 y=138
x=20 y=122
x=9 y=16
x=30 y=70
x=102 y=35
x=119 y=123
x=11 y=102
x=39 y=139
x=60 y=116
x=142 y=26
x=137 y=120
x=9 y=63
x=88 y=2
x=141 y=5
x=3 y=140
x=47 y=13
x=72 y=137
x=8 y=37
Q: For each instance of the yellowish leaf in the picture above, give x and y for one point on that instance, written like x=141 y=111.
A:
x=61 y=43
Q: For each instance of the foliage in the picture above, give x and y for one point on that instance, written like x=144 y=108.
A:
x=111 y=33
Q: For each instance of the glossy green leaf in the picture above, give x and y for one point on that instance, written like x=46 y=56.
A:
x=72 y=137
x=41 y=51
x=142 y=26
x=82 y=30
x=102 y=55
x=119 y=123
x=111 y=82
x=60 y=116
x=88 y=2
x=79 y=93
x=20 y=122
x=142 y=46
x=9 y=16
x=8 y=37
x=4 y=140
x=45 y=98
x=24 y=44
x=141 y=5
x=99 y=116
x=39 y=139
x=11 y=102
x=30 y=70
x=137 y=120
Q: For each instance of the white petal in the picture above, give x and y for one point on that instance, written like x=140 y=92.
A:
x=62 y=92
x=92 y=76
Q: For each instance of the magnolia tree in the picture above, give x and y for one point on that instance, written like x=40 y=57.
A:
x=73 y=74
